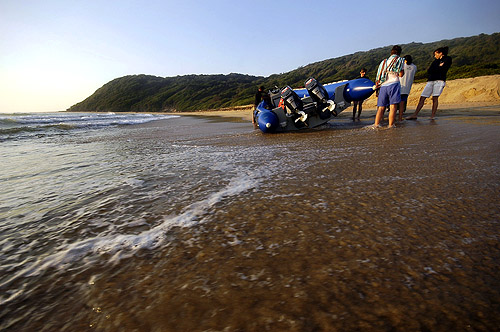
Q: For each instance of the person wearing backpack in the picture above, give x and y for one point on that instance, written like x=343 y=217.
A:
x=388 y=73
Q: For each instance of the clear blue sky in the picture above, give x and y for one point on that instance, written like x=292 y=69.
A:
x=55 y=53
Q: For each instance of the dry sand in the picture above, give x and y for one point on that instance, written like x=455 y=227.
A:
x=458 y=94
x=462 y=93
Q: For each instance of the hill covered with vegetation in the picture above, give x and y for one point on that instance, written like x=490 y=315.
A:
x=472 y=57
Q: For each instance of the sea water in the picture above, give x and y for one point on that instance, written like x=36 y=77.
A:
x=16 y=126
x=152 y=222
x=83 y=189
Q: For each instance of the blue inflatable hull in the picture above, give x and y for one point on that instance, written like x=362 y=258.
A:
x=272 y=118
x=355 y=90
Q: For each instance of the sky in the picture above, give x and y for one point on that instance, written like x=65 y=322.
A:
x=56 y=53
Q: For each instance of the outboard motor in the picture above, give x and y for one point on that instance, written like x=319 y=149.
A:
x=292 y=100
x=293 y=103
x=319 y=94
x=316 y=91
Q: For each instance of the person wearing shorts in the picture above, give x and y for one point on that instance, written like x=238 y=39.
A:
x=436 y=81
x=406 y=82
x=388 y=74
x=433 y=88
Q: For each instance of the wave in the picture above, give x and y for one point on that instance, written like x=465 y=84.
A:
x=12 y=125
x=26 y=129
x=120 y=246
x=82 y=119
x=11 y=131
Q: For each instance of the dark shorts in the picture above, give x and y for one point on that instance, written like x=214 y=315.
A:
x=389 y=95
x=404 y=97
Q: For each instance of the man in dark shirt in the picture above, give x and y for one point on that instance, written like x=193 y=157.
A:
x=258 y=96
x=258 y=99
x=358 y=105
x=436 y=81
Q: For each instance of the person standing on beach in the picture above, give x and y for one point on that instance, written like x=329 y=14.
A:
x=436 y=81
x=406 y=82
x=387 y=79
x=358 y=105
x=258 y=98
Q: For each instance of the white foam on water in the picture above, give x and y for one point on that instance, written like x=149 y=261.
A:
x=120 y=246
x=79 y=120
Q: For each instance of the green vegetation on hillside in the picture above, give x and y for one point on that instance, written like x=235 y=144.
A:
x=472 y=57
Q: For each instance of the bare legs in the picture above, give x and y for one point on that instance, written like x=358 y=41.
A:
x=435 y=103
x=254 y=122
x=419 y=107
x=434 y=107
x=402 y=109
x=392 y=115
x=380 y=115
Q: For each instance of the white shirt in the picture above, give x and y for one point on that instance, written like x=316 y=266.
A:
x=407 y=79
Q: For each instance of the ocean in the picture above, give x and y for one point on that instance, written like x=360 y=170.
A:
x=155 y=222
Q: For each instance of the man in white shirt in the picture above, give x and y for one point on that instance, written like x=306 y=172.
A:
x=406 y=82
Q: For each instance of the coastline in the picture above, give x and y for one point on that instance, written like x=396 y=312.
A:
x=459 y=95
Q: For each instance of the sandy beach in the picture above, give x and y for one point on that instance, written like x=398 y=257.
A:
x=461 y=94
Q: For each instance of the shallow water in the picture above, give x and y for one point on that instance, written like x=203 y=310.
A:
x=189 y=224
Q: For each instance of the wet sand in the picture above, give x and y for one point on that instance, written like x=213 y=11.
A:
x=369 y=111
x=353 y=229
x=389 y=230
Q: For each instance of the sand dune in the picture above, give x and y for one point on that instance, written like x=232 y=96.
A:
x=484 y=90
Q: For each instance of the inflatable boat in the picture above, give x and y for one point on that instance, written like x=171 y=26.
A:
x=290 y=109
